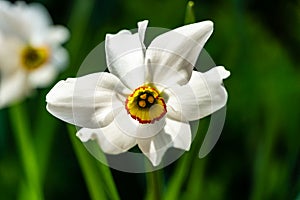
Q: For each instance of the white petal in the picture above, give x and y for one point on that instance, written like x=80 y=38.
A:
x=177 y=51
x=110 y=138
x=11 y=48
x=27 y=21
x=35 y=14
x=142 y=27
x=125 y=57
x=35 y=21
x=175 y=133
x=59 y=58
x=86 y=101
x=155 y=147
x=9 y=23
x=58 y=34
x=180 y=132
x=43 y=76
x=86 y=134
x=133 y=128
x=203 y=95
x=13 y=87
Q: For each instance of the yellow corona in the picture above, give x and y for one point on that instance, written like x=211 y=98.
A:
x=146 y=105
x=33 y=58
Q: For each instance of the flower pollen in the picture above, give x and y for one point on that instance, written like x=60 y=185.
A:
x=32 y=58
x=146 y=105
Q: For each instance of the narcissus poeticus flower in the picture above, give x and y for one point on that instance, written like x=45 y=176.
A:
x=149 y=96
x=31 y=54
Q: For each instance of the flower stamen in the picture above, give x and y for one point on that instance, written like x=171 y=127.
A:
x=150 y=99
x=142 y=104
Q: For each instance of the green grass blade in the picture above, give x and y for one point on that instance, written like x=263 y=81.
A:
x=78 y=25
x=181 y=172
x=44 y=131
x=154 y=185
x=26 y=149
x=104 y=171
x=108 y=179
x=88 y=166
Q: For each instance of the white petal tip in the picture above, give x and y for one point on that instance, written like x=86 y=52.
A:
x=223 y=72
x=85 y=136
x=206 y=26
x=143 y=23
x=187 y=148
x=208 y=23
x=52 y=94
x=183 y=146
x=109 y=36
x=155 y=161
x=60 y=34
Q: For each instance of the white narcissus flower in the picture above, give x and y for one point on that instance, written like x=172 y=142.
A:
x=31 y=54
x=149 y=96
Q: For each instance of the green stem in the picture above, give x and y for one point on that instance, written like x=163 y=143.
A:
x=88 y=167
x=44 y=143
x=196 y=184
x=154 y=185
x=104 y=170
x=108 y=179
x=261 y=167
x=184 y=165
x=19 y=119
x=94 y=184
x=44 y=132
x=177 y=180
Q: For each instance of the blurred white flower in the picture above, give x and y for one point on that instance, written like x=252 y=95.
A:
x=31 y=54
x=149 y=96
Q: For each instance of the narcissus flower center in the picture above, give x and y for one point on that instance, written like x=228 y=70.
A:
x=146 y=105
x=32 y=58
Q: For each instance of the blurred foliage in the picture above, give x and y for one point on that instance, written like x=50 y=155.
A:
x=257 y=156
